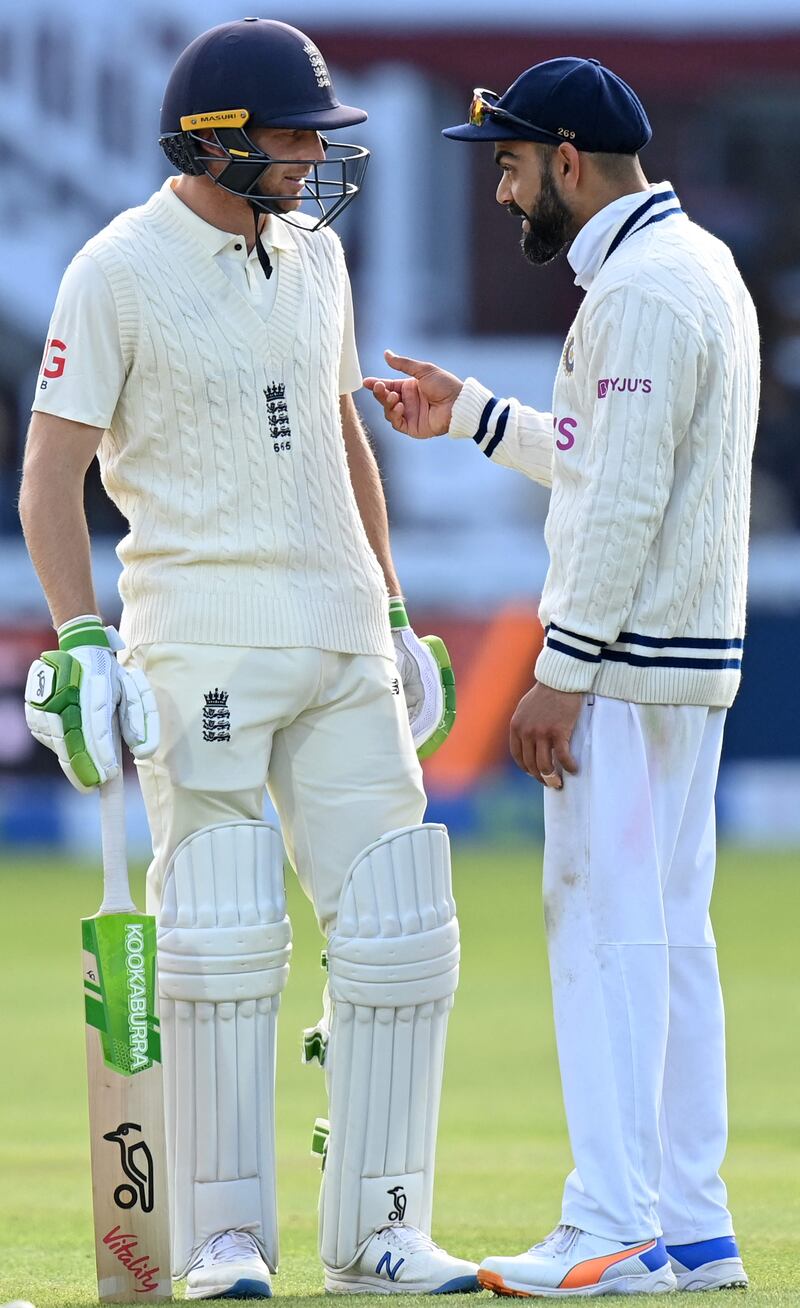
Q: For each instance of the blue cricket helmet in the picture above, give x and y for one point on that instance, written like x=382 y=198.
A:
x=257 y=72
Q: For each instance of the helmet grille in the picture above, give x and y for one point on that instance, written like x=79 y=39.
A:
x=176 y=148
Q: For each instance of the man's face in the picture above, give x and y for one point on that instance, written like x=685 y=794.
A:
x=528 y=190
x=287 y=180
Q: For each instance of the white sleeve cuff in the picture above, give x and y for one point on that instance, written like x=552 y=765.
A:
x=568 y=661
x=469 y=409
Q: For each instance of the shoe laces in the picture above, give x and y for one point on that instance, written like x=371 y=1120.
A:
x=407 y=1239
x=229 y=1246
x=559 y=1240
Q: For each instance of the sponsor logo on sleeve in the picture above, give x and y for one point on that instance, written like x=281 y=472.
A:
x=54 y=361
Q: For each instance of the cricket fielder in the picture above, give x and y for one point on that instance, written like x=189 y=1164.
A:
x=203 y=346
x=647 y=453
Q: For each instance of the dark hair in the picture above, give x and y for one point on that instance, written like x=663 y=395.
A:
x=614 y=167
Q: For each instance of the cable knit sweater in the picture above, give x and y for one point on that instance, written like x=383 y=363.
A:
x=648 y=451
x=225 y=452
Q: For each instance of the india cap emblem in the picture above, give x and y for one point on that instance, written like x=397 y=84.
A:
x=568 y=357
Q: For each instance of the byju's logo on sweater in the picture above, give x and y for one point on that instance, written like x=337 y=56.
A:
x=619 y=384
x=216 y=715
x=278 y=416
x=565 y=432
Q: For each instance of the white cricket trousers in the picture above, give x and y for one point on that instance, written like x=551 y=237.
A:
x=326 y=733
x=628 y=873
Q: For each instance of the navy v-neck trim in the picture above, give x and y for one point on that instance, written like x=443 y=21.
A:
x=659 y=197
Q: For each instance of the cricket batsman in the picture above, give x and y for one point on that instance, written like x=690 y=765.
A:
x=647 y=453
x=202 y=346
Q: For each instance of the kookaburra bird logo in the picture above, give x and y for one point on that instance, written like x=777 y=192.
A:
x=137 y=1164
x=398 y=1212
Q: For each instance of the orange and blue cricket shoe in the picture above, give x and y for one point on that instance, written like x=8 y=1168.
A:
x=573 y=1262
x=708 y=1264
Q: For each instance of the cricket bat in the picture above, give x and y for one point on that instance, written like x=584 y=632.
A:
x=126 y=1106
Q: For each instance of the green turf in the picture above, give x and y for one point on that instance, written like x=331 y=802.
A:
x=502 y=1149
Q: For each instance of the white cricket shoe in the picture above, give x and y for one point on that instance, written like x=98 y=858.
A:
x=708 y=1264
x=573 y=1262
x=229 y=1266
x=402 y=1260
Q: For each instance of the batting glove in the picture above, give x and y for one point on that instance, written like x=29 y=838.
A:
x=428 y=681
x=72 y=694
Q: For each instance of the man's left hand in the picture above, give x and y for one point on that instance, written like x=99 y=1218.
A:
x=540 y=733
x=428 y=681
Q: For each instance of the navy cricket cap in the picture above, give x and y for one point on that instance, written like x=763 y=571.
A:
x=568 y=99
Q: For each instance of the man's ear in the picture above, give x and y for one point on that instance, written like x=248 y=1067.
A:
x=208 y=136
x=568 y=165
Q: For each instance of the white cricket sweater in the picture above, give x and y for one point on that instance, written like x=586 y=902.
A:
x=648 y=452
x=225 y=452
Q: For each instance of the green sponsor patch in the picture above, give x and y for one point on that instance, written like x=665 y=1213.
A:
x=120 y=988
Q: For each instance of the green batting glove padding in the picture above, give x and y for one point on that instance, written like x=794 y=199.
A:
x=65 y=701
x=398 y=618
x=319 y=1139
x=438 y=649
x=83 y=631
x=315 y=1046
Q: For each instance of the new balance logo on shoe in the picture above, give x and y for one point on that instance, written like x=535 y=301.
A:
x=402 y=1260
x=385 y=1265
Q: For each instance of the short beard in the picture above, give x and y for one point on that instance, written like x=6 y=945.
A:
x=551 y=223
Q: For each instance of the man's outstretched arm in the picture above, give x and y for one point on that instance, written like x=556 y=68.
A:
x=431 y=402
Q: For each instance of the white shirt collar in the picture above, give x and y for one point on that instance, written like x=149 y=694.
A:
x=590 y=247
x=275 y=234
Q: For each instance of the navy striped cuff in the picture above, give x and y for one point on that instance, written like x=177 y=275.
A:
x=569 y=642
x=712 y=653
x=492 y=425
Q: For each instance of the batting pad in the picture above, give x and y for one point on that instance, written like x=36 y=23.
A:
x=392 y=974
x=224 y=942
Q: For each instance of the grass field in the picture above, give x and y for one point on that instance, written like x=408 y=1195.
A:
x=502 y=1150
